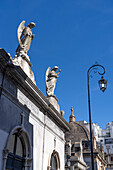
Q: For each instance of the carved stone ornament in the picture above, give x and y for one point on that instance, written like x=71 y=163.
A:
x=21 y=58
x=51 y=78
x=24 y=36
x=62 y=113
x=72 y=117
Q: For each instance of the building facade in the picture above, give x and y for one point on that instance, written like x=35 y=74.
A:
x=31 y=129
x=104 y=137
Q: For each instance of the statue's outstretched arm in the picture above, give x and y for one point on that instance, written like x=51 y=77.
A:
x=58 y=72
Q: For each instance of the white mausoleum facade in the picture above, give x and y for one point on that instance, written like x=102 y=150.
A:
x=31 y=129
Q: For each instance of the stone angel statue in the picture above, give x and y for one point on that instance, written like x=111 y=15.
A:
x=51 y=78
x=24 y=37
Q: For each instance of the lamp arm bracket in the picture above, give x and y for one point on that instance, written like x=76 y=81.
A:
x=93 y=67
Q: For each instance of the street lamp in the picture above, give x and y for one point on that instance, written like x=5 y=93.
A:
x=103 y=85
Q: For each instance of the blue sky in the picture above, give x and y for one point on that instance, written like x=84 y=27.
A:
x=72 y=34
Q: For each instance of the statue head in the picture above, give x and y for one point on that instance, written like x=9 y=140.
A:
x=31 y=25
x=55 y=68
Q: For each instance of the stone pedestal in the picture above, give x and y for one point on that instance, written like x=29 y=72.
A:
x=21 y=59
x=53 y=100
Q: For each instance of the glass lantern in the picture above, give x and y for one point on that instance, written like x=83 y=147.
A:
x=102 y=84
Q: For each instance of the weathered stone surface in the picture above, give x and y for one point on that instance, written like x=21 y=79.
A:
x=53 y=100
x=23 y=61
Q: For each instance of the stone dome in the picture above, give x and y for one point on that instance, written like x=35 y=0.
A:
x=78 y=132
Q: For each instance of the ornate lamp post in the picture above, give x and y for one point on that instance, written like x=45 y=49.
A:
x=103 y=85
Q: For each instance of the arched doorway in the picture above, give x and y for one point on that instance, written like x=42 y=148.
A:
x=17 y=153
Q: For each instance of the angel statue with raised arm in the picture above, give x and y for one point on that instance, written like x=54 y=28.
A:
x=51 y=78
x=24 y=37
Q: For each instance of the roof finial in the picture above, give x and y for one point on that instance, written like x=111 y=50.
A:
x=72 y=117
x=71 y=110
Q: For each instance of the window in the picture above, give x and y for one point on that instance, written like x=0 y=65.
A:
x=86 y=144
x=109 y=141
x=77 y=149
x=15 y=159
x=54 y=161
x=111 y=158
x=107 y=134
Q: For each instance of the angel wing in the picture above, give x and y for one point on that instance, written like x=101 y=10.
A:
x=47 y=73
x=20 y=31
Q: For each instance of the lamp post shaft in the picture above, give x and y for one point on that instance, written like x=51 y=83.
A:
x=90 y=125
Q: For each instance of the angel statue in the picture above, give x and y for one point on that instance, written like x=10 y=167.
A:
x=51 y=78
x=24 y=37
